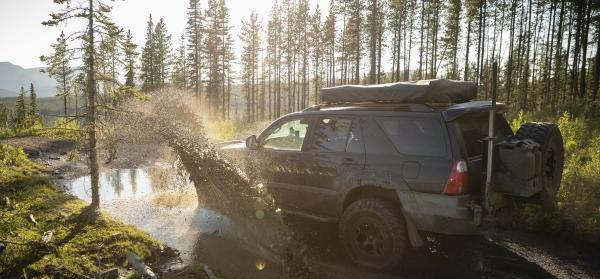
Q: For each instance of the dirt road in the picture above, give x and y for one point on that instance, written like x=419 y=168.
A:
x=498 y=254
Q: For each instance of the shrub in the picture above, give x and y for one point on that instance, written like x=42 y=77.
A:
x=64 y=129
x=33 y=130
x=14 y=164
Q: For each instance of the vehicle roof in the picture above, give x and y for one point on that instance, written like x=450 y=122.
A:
x=448 y=111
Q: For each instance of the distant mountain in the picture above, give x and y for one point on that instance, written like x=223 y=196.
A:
x=7 y=93
x=12 y=77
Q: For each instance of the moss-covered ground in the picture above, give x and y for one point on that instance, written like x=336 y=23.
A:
x=50 y=234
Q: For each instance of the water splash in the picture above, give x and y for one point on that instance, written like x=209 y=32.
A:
x=171 y=118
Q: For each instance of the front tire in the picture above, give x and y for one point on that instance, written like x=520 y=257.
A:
x=373 y=234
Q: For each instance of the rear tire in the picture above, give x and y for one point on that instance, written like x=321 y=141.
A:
x=548 y=136
x=373 y=234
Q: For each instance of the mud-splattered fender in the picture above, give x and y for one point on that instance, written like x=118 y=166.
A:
x=387 y=180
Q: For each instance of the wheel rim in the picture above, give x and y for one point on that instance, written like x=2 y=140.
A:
x=369 y=238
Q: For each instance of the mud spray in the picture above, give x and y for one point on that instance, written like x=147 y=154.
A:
x=170 y=118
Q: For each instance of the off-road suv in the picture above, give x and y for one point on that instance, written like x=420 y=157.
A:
x=386 y=162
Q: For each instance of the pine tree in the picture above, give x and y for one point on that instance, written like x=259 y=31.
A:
x=354 y=37
x=21 y=111
x=274 y=57
x=302 y=27
x=375 y=28
x=162 y=51
x=96 y=23
x=34 y=114
x=59 y=68
x=194 y=31
x=179 y=74
x=131 y=54
x=4 y=117
x=211 y=44
x=108 y=62
x=289 y=46
x=451 y=38
x=329 y=32
x=33 y=109
x=79 y=86
x=317 y=51
x=226 y=57
x=216 y=21
x=148 y=67
x=250 y=37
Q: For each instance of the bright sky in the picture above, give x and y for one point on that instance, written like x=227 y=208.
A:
x=23 y=39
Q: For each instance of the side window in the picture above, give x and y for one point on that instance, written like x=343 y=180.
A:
x=415 y=136
x=287 y=136
x=332 y=134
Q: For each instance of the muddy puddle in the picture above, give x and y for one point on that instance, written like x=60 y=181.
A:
x=164 y=203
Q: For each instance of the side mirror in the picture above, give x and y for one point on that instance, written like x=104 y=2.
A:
x=252 y=142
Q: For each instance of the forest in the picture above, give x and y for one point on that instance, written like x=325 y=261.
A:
x=547 y=52
x=225 y=78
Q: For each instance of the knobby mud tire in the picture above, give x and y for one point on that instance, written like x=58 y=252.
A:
x=391 y=222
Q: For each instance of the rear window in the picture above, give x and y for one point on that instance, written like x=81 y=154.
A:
x=415 y=136
x=474 y=128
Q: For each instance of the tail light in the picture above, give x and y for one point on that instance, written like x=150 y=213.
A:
x=458 y=181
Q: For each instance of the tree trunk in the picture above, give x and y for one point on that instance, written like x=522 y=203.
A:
x=557 y=58
x=584 y=43
x=91 y=115
x=596 y=81
x=467 y=47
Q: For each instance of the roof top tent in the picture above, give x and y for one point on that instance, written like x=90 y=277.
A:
x=434 y=91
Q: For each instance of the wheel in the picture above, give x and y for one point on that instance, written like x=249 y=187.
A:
x=548 y=136
x=373 y=234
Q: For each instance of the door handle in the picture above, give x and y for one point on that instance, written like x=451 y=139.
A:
x=347 y=161
x=293 y=158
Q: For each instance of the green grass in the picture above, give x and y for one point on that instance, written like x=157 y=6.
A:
x=84 y=241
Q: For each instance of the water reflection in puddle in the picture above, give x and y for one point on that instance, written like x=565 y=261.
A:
x=158 y=201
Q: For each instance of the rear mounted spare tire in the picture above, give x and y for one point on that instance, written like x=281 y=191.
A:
x=373 y=234
x=548 y=136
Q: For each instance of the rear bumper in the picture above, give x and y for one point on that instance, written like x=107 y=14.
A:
x=455 y=215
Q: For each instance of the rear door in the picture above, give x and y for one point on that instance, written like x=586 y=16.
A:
x=333 y=159
x=472 y=129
